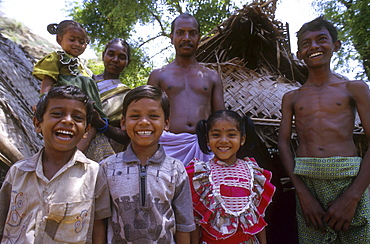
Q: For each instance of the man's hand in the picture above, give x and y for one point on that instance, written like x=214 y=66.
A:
x=312 y=211
x=340 y=213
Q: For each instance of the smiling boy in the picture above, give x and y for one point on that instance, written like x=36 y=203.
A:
x=150 y=190
x=57 y=195
x=329 y=179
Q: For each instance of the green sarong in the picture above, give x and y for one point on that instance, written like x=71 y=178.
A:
x=327 y=179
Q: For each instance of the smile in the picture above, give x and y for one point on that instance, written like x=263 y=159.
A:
x=223 y=148
x=312 y=55
x=145 y=133
x=64 y=134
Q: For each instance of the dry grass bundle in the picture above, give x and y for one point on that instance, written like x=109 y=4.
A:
x=253 y=35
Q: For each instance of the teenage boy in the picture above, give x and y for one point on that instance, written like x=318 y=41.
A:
x=329 y=179
x=150 y=191
x=57 y=195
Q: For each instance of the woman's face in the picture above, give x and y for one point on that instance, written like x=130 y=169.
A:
x=115 y=59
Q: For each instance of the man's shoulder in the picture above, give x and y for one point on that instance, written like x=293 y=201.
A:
x=291 y=94
x=356 y=84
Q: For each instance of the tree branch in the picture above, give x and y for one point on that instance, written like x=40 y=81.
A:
x=348 y=4
x=151 y=39
x=158 y=19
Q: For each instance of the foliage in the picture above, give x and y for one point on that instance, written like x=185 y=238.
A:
x=352 y=18
x=118 y=17
x=108 y=19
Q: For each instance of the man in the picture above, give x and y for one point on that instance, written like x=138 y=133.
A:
x=330 y=181
x=194 y=91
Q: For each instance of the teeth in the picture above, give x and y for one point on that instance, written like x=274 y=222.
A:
x=224 y=148
x=314 y=54
x=65 y=132
x=144 y=133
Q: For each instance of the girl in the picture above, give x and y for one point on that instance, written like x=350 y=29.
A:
x=65 y=68
x=230 y=195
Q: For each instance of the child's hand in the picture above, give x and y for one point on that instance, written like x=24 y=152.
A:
x=340 y=213
x=312 y=211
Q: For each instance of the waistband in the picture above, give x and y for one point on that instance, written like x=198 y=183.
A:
x=327 y=168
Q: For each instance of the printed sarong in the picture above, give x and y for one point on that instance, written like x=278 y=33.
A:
x=183 y=146
x=327 y=179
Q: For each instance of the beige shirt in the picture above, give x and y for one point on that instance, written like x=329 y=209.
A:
x=34 y=209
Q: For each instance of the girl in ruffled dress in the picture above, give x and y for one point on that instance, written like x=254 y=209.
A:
x=230 y=195
x=65 y=68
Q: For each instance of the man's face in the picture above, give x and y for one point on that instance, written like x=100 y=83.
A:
x=316 y=48
x=185 y=36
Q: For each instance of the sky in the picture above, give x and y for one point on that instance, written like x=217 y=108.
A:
x=37 y=14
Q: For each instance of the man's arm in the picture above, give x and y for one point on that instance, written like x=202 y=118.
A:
x=217 y=93
x=342 y=209
x=154 y=78
x=312 y=210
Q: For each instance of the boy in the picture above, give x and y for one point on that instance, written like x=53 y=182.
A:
x=150 y=191
x=57 y=195
x=329 y=179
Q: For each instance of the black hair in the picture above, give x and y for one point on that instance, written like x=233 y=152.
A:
x=147 y=91
x=123 y=43
x=204 y=126
x=184 y=16
x=64 y=92
x=62 y=28
x=318 y=24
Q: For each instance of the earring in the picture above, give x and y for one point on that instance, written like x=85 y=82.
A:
x=85 y=135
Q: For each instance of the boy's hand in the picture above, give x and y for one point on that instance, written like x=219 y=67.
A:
x=312 y=211
x=340 y=213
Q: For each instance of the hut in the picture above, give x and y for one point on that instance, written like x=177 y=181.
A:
x=18 y=93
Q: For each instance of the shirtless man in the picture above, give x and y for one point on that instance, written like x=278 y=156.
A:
x=330 y=181
x=194 y=91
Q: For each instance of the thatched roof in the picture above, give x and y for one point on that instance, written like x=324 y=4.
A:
x=253 y=35
x=18 y=93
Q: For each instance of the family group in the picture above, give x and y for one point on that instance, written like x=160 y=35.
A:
x=160 y=163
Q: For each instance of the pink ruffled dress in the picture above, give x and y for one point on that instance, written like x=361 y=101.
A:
x=229 y=201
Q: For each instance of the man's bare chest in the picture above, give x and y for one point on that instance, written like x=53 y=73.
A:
x=325 y=102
